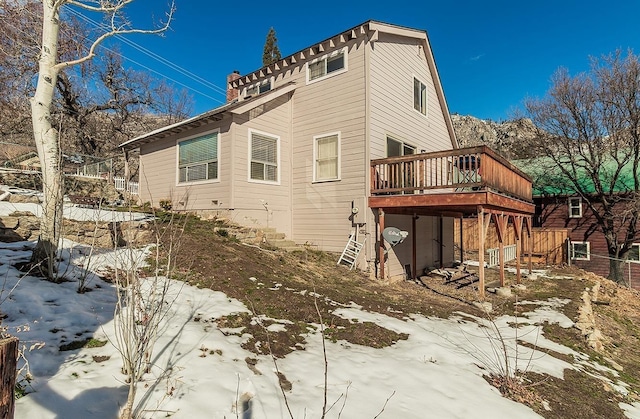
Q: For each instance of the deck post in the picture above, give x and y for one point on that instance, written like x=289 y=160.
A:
x=461 y=242
x=528 y=227
x=441 y=241
x=517 y=226
x=481 y=236
x=501 y=226
x=414 y=246
x=381 y=242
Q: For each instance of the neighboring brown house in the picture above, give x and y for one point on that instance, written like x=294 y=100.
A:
x=341 y=139
x=587 y=248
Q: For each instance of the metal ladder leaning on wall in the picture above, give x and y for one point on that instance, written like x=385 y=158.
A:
x=351 y=251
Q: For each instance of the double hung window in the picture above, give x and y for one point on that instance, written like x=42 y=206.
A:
x=575 y=207
x=264 y=157
x=198 y=158
x=327 y=157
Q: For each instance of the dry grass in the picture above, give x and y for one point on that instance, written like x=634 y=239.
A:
x=279 y=285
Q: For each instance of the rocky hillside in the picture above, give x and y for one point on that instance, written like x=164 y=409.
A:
x=509 y=138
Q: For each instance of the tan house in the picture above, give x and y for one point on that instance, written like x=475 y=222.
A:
x=343 y=138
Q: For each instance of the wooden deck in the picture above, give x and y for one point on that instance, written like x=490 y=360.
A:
x=453 y=182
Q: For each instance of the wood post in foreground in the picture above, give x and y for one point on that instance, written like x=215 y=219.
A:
x=8 y=359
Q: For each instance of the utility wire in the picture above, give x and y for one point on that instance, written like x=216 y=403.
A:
x=156 y=57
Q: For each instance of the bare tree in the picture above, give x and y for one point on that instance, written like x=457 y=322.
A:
x=46 y=133
x=118 y=110
x=589 y=132
x=17 y=42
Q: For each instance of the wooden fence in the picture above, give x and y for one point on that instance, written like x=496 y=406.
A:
x=549 y=245
x=8 y=358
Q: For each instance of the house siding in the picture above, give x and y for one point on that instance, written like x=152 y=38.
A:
x=394 y=62
x=254 y=203
x=554 y=213
x=158 y=172
x=336 y=104
x=369 y=101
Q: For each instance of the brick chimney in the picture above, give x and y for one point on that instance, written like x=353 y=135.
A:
x=232 y=93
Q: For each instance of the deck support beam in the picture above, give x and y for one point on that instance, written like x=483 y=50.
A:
x=414 y=246
x=381 y=254
x=502 y=221
x=481 y=237
x=528 y=226
x=517 y=227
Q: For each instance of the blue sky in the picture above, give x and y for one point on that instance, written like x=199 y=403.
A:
x=490 y=55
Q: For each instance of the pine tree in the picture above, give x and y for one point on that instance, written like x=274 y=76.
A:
x=271 y=52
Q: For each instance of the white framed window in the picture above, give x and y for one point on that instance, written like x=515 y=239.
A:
x=264 y=157
x=634 y=253
x=575 y=207
x=580 y=251
x=327 y=65
x=419 y=96
x=398 y=148
x=258 y=88
x=326 y=157
x=198 y=158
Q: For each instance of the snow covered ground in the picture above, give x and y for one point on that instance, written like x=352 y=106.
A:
x=199 y=370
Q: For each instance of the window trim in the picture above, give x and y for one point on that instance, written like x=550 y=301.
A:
x=571 y=207
x=426 y=97
x=315 y=157
x=325 y=57
x=634 y=260
x=201 y=181
x=252 y=131
x=573 y=251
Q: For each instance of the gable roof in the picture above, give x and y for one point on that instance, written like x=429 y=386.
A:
x=212 y=115
x=368 y=30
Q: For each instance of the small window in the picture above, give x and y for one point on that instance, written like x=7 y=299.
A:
x=264 y=157
x=575 y=207
x=327 y=65
x=251 y=91
x=257 y=89
x=265 y=87
x=327 y=158
x=419 y=96
x=580 y=251
x=634 y=253
x=398 y=148
x=198 y=158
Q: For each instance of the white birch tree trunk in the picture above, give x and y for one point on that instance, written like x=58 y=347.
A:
x=46 y=137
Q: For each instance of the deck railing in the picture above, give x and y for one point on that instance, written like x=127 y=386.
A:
x=464 y=169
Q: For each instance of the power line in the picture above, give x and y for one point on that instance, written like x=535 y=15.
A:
x=152 y=55
x=156 y=57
